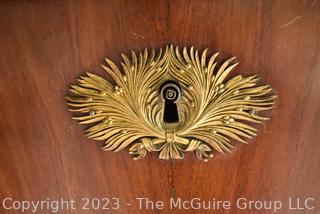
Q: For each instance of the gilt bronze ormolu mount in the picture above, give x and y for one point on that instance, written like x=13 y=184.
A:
x=170 y=102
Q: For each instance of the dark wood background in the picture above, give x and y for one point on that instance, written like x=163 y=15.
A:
x=46 y=45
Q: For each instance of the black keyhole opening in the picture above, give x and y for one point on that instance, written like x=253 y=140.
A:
x=170 y=92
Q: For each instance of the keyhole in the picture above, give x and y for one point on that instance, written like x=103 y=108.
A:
x=170 y=92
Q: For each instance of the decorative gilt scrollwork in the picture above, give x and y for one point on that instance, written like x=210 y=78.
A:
x=171 y=103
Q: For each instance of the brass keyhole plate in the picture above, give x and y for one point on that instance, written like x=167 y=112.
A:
x=212 y=109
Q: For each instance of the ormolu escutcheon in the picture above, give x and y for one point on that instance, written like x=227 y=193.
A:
x=170 y=102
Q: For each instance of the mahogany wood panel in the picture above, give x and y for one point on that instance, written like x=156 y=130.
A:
x=46 y=45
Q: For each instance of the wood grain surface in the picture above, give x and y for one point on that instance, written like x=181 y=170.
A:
x=46 y=45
